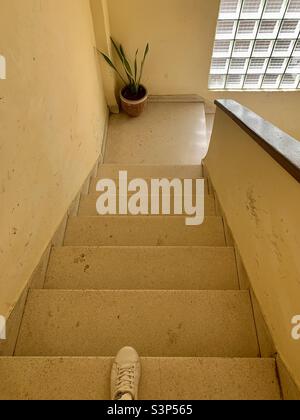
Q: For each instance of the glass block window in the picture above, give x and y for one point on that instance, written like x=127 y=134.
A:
x=257 y=45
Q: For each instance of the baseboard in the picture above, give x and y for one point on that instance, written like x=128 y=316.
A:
x=105 y=138
x=290 y=391
x=210 y=108
x=176 y=99
x=36 y=281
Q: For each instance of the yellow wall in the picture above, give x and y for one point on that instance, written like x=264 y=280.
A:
x=261 y=202
x=181 y=34
x=103 y=33
x=52 y=116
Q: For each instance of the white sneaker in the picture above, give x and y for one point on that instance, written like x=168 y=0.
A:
x=125 y=375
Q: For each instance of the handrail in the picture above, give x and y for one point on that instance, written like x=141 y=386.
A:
x=279 y=145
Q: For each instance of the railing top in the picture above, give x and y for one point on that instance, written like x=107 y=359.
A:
x=282 y=147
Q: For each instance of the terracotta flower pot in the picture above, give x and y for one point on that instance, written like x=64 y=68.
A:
x=134 y=107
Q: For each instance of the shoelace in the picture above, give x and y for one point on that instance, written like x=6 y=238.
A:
x=125 y=380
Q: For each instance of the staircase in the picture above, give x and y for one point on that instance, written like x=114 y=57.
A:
x=168 y=290
x=171 y=291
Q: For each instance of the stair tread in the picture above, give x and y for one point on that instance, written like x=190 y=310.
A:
x=162 y=379
x=143 y=230
x=88 y=202
x=149 y=268
x=161 y=171
x=94 y=182
x=156 y=323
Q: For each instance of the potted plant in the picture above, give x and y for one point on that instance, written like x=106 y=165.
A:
x=133 y=95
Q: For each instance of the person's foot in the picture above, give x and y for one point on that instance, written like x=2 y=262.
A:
x=125 y=375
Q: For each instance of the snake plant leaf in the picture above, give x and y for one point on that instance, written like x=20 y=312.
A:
x=147 y=49
x=133 y=75
x=136 y=65
x=127 y=67
x=126 y=62
x=117 y=49
x=120 y=55
x=108 y=60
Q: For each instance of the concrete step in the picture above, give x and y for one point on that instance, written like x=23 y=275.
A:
x=88 y=202
x=143 y=231
x=94 y=182
x=151 y=171
x=162 y=379
x=156 y=323
x=148 y=268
